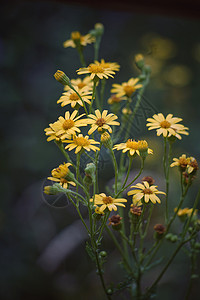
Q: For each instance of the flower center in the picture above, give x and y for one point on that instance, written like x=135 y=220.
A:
x=63 y=180
x=142 y=145
x=147 y=191
x=81 y=141
x=100 y=122
x=75 y=35
x=74 y=97
x=129 y=90
x=107 y=200
x=165 y=124
x=81 y=85
x=115 y=99
x=132 y=144
x=68 y=124
x=183 y=162
x=95 y=69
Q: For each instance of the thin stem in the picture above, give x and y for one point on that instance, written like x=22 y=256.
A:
x=103 y=84
x=93 y=93
x=128 y=171
x=126 y=263
x=80 y=52
x=115 y=166
x=136 y=177
x=62 y=149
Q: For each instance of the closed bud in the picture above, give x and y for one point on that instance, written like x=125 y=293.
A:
x=61 y=77
x=139 y=61
x=52 y=189
x=90 y=171
x=106 y=140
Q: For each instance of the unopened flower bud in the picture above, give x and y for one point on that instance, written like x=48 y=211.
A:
x=51 y=189
x=61 y=77
x=90 y=171
x=106 y=140
x=139 y=61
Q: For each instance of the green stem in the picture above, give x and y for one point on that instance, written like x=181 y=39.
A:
x=128 y=171
x=95 y=80
x=83 y=102
x=80 y=52
x=79 y=213
x=126 y=263
x=115 y=166
x=136 y=177
x=103 y=84
x=62 y=149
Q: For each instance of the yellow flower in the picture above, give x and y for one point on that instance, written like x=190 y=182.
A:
x=80 y=142
x=71 y=97
x=126 y=88
x=101 y=121
x=186 y=211
x=192 y=165
x=107 y=202
x=61 y=175
x=145 y=191
x=67 y=126
x=167 y=126
x=115 y=99
x=134 y=147
x=81 y=83
x=181 y=162
x=96 y=70
x=113 y=66
x=51 y=133
x=77 y=38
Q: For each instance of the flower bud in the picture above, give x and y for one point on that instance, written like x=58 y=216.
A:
x=106 y=140
x=52 y=189
x=159 y=231
x=139 y=61
x=61 y=77
x=90 y=171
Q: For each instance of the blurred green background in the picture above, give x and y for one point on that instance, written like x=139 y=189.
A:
x=42 y=248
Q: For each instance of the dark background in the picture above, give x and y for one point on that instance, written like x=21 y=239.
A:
x=42 y=252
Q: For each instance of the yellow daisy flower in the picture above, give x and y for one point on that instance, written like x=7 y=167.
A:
x=67 y=126
x=101 y=121
x=51 y=133
x=145 y=191
x=185 y=211
x=181 y=162
x=81 y=83
x=80 y=142
x=108 y=65
x=133 y=147
x=60 y=175
x=167 y=126
x=126 y=88
x=115 y=99
x=96 y=70
x=77 y=38
x=71 y=97
x=192 y=165
x=107 y=202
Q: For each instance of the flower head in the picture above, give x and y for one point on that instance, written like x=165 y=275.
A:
x=97 y=70
x=80 y=142
x=62 y=175
x=126 y=88
x=160 y=229
x=107 y=202
x=81 y=83
x=146 y=192
x=51 y=133
x=149 y=179
x=71 y=97
x=135 y=210
x=78 y=39
x=167 y=126
x=134 y=147
x=67 y=126
x=101 y=121
x=115 y=221
x=188 y=164
x=115 y=99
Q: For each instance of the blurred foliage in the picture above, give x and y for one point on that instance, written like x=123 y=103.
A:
x=31 y=39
